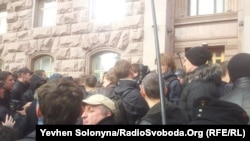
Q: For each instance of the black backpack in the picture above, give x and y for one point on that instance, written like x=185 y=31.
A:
x=119 y=112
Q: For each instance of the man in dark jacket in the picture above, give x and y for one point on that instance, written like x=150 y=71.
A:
x=20 y=87
x=151 y=93
x=60 y=94
x=201 y=80
x=134 y=104
x=239 y=73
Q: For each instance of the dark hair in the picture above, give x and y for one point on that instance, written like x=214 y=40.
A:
x=39 y=72
x=4 y=75
x=90 y=80
x=24 y=70
x=8 y=134
x=60 y=101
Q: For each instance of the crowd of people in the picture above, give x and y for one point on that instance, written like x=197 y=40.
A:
x=200 y=93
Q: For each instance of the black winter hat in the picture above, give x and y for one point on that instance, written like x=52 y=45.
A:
x=209 y=110
x=239 y=66
x=198 y=55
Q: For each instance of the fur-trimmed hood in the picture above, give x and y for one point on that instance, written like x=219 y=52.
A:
x=206 y=73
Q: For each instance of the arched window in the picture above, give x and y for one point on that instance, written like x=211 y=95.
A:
x=102 y=62
x=45 y=63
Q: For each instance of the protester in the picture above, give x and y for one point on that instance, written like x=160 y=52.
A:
x=19 y=116
x=171 y=81
x=109 y=84
x=59 y=103
x=151 y=93
x=134 y=104
x=98 y=110
x=203 y=79
x=211 y=111
x=20 y=87
x=239 y=72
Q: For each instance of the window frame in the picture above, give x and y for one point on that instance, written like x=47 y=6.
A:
x=197 y=8
x=37 y=20
x=100 y=71
x=51 y=64
x=3 y=8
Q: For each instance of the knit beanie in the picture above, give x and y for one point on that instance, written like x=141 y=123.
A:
x=239 y=66
x=198 y=55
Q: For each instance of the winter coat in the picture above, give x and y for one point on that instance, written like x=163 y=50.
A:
x=174 y=115
x=211 y=111
x=240 y=94
x=133 y=103
x=203 y=82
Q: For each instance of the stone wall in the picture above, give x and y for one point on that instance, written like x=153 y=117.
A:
x=73 y=37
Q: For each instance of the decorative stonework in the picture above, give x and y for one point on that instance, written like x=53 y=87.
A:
x=74 y=38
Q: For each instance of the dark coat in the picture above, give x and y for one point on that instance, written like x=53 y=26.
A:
x=240 y=94
x=217 y=112
x=28 y=96
x=203 y=82
x=174 y=87
x=107 y=91
x=16 y=94
x=29 y=137
x=133 y=103
x=18 y=89
x=225 y=88
x=31 y=117
x=21 y=121
x=107 y=121
x=174 y=115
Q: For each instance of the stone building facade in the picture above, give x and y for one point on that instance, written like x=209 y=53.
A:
x=77 y=37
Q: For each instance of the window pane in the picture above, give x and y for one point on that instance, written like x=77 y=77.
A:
x=193 y=7
x=49 y=14
x=108 y=10
x=206 y=7
x=103 y=62
x=219 y=6
x=45 y=63
x=3 y=21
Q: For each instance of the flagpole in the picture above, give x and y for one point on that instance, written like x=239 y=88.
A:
x=157 y=48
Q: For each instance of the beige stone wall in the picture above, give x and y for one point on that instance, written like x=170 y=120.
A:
x=76 y=37
x=73 y=38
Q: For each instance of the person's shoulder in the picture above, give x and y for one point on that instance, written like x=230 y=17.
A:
x=29 y=137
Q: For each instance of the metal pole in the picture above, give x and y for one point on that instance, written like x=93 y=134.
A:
x=162 y=96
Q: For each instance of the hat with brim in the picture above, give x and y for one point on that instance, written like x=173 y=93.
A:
x=99 y=99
